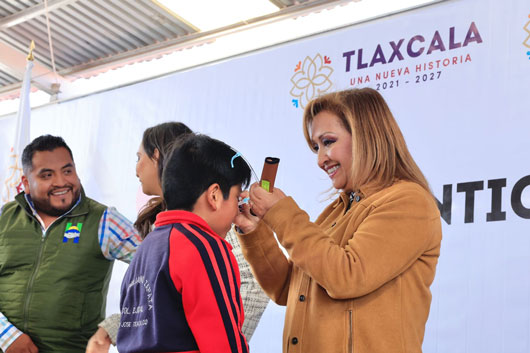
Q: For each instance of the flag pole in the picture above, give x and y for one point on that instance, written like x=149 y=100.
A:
x=13 y=178
x=31 y=48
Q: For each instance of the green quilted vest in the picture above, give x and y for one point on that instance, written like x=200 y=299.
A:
x=53 y=288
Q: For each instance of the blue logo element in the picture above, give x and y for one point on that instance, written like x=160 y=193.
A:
x=72 y=232
x=295 y=103
x=528 y=53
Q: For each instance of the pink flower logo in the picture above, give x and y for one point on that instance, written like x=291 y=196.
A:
x=311 y=79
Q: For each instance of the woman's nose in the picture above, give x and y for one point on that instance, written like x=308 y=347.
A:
x=321 y=157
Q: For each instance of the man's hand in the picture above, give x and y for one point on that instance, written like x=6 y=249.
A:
x=23 y=344
x=99 y=342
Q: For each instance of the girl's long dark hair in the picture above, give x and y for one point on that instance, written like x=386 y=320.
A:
x=157 y=138
x=147 y=216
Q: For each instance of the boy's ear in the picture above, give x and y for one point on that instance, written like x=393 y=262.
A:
x=214 y=196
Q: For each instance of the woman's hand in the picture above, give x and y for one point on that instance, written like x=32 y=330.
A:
x=99 y=342
x=261 y=200
x=245 y=221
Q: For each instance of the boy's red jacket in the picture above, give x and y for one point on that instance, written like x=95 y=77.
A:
x=181 y=291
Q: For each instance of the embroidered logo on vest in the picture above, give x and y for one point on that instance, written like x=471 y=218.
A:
x=72 y=232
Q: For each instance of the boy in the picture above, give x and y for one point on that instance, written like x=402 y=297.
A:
x=181 y=290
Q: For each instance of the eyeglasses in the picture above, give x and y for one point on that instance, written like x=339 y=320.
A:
x=253 y=176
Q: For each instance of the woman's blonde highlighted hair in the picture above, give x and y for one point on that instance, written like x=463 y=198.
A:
x=380 y=154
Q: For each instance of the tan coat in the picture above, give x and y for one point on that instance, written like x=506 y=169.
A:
x=356 y=281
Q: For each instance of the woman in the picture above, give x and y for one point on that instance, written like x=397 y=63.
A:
x=357 y=279
x=156 y=145
x=157 y=142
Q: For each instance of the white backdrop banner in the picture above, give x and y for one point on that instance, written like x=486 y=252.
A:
x=456 y=76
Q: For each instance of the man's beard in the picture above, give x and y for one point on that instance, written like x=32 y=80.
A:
x=44 y=206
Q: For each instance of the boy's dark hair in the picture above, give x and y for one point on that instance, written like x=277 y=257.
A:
x=41 y=143
x=196 y=162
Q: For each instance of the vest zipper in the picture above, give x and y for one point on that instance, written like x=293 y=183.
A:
x=30 y=284
x=39 y=258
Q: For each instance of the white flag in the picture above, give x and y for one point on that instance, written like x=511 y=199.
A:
x=13 y=183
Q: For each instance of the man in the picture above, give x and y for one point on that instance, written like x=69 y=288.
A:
x=56 y=253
